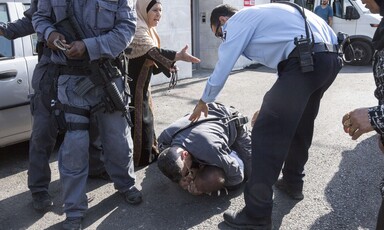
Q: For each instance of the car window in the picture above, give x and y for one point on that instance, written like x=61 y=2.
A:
x=33 y=36
x=6 y=46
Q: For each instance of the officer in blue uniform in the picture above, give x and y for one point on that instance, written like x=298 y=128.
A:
x=89 y=31
x=282 y=133
x=44 y=131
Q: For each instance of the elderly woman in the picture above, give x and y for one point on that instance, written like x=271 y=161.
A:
x=146 y=58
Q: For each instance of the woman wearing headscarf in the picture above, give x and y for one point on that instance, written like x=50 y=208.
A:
x=363 y=120
x=145 y=59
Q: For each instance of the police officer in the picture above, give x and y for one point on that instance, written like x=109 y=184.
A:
x=209 y=142
x=88 y=33
x=44 y=131
x=282 y=133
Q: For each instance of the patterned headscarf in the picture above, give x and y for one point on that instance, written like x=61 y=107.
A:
x=145 y=38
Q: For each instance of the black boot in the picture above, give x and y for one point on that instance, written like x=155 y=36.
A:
x=240 y=220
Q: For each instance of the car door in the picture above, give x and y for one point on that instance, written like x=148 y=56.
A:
x=15 y=116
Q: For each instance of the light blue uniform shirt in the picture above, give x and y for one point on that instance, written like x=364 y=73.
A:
x=109 y=26
x=265 y=34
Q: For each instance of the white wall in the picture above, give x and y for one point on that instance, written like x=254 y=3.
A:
x=175 y=32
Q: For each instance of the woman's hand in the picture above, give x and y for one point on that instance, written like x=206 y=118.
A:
x=183 y=55
x=356 y=123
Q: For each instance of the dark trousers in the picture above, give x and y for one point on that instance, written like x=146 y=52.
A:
x=283 y=131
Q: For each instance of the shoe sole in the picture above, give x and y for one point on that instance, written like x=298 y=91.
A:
x=268 y=227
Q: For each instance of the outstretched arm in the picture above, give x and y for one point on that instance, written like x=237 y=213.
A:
x=183 y=55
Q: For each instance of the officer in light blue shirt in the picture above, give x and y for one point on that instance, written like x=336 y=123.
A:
x=282 y=133
x=89 y=30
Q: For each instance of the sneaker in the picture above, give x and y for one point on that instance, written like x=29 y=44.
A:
x=72 y=223
x=102 y=176
x=290 y=190
x=41 y=200
x=133 y=196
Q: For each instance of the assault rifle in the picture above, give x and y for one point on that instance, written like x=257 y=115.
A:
x=102 y=72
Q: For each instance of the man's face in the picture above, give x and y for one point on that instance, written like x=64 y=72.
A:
x=325 y=2
x=372 y=6
x=217 y=31
x=187 y=173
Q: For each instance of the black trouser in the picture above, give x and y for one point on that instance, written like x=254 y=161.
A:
x=283 y=131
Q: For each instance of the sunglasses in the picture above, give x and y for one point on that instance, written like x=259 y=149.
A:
x=218 y=33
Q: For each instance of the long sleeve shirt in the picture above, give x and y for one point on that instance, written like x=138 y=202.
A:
x=108 y=26
x=265 y=34
x=16 y=29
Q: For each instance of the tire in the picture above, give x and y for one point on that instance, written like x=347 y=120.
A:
x=363 y=53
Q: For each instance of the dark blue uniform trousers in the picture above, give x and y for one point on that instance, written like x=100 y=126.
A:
x=283 y=131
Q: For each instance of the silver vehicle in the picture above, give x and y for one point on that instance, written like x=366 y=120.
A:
x=17 y=62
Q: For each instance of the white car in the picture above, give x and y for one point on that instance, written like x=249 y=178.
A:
x=17 y=62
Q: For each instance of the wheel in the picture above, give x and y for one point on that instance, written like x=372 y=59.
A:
x=360 y=53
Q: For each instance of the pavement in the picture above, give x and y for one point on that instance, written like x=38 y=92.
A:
x=340 y=189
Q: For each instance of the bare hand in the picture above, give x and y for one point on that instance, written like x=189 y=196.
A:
x=356 y=123
x=192 y=189
x=76 y=50
x=52 y=37
x=200 y=107
x=183 y=55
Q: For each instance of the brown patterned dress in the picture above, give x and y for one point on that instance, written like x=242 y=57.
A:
x=141 y=69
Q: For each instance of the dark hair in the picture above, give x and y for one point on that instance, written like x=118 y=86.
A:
x=169 y=163
x=221 y=10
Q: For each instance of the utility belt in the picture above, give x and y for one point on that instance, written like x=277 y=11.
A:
x=75 y=70
x=317 y=48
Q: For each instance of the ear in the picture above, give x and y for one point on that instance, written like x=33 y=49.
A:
x=184 y=154
x=223 y=19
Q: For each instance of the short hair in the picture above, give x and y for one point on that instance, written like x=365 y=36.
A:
x=221 y=10
x=170 y=164
x=210 y=179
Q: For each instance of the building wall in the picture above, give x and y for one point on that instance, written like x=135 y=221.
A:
x=175 y=32
x=208 y=42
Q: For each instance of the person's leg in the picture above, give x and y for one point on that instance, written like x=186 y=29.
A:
x=116 y=139
x=96 y=156
x=41 y=145
x=73 y=153
x=43 y=136
x=274 y=130
x=243 y=148
x=293 y=171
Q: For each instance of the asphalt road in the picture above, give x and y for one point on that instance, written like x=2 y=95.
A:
x=341 y=183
